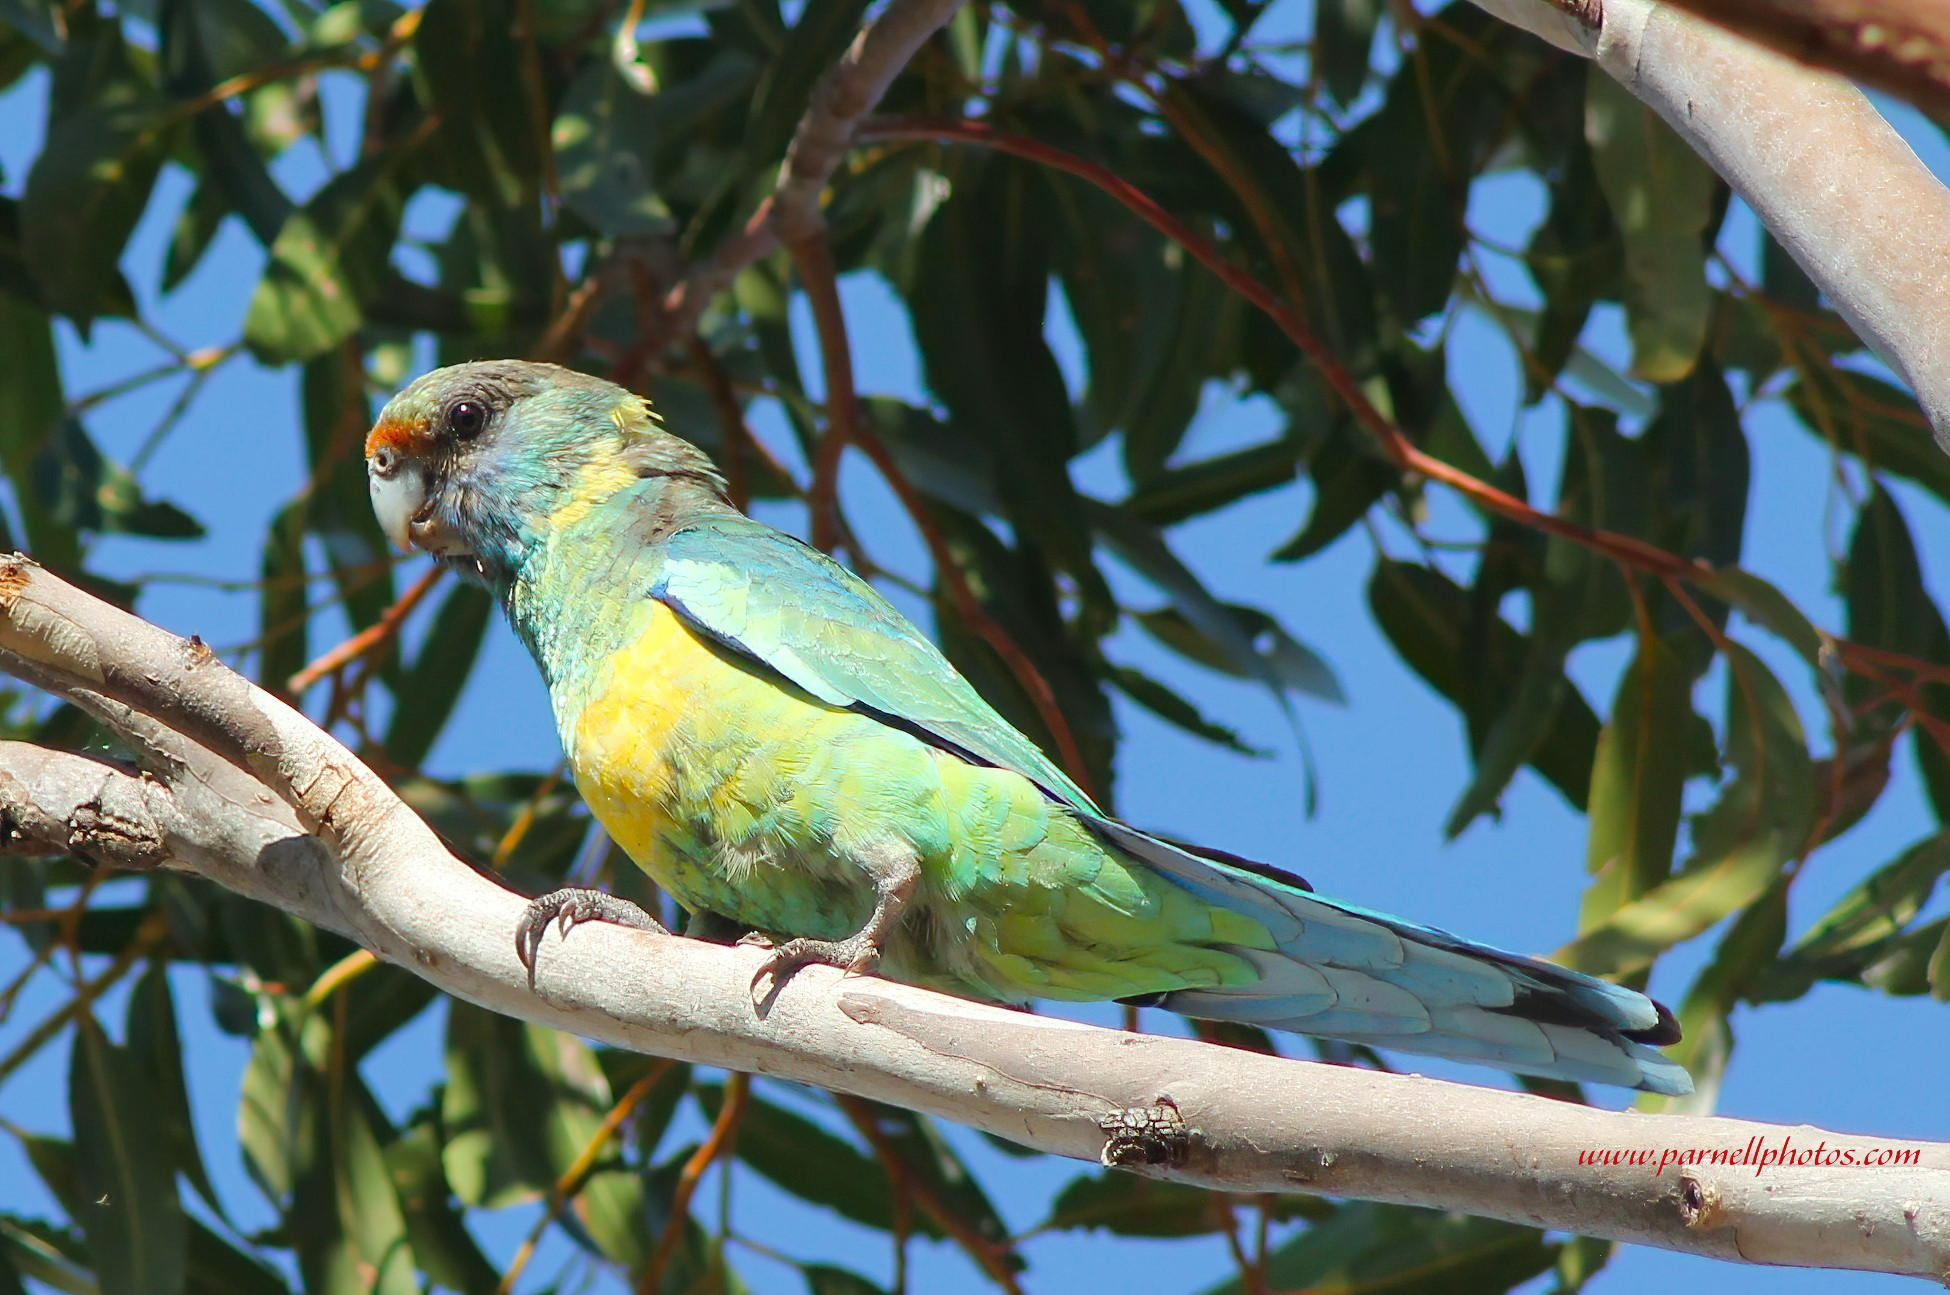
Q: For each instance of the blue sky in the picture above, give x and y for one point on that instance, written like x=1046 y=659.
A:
x=1392 y=760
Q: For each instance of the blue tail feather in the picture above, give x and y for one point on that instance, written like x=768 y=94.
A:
x=1348 y=972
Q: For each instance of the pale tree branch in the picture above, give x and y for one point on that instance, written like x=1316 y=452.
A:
x=1831 y=179
x=240 y=788
x=1901 y=46
x=843 y=96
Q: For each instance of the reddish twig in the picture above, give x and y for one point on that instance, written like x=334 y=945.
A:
x=724 y=1130
x=976 y=617
x=844 y=426
x=555 y=343
x=1178 y=116
x=579 y=1169
x=993 y=1257
x=1252 y=1281
x=535 y=93
x=366 y=640
x=817 y=276
x=525 y=819
x=1394 y=443
x=738 y=438
x=1861 y=655
x=1869 y=663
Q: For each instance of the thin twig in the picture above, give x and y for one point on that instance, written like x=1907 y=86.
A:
x=976 y=617
x=1394 y=443
x=739 y=441
x=577 y=1174
x=993 y=1257
x=337 y=976
x=150 y=933
x=814 y=258
x=554 y=343
x=397 y=36
x=366 y=640
x=535 y=95
x=525 y=819
x=724 y=1130
x=1251 y=1280
x=844 y=426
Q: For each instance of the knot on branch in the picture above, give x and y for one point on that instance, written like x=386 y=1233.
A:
x=1699 y=1202
x=1590 y=14
x=14 y=571
x=1145 y=1135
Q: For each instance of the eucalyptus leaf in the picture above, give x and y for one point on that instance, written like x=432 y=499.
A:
x=126 y=1179
x=1661 y=196
x=328 y=260
x=88 y=188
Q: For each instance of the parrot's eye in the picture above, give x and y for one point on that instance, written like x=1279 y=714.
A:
x=466 y=419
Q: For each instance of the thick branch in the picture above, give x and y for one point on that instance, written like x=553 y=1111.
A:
x=364 y=865
x=1828 y=176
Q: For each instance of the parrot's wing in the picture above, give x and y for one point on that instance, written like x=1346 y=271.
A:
x=795 y=610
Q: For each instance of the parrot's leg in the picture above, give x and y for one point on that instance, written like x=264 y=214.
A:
x=569 y=908
x=895 y=876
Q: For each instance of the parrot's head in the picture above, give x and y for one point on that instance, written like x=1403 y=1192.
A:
x=479 y=463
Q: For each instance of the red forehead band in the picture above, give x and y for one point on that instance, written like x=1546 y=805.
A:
x=403 y=437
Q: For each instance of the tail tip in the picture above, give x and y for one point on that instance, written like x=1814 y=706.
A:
x=1661 y=1033
x=1665 y=1078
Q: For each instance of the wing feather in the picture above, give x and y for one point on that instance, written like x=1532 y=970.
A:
x=795 y=610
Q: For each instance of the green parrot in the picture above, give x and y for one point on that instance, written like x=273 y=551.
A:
x=774 y=744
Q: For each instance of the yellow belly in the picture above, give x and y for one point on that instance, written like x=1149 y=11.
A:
x=706 y=772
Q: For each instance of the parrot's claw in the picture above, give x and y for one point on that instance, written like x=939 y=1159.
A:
x=857 y=955
x=569 y=908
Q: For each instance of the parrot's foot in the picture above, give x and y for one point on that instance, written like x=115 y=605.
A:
x=857 y=954
x=568 y=909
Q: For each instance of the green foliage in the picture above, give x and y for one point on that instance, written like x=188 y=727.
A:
x=574 y=177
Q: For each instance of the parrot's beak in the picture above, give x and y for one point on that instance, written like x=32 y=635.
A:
x=399 y=494
x=399 y=500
